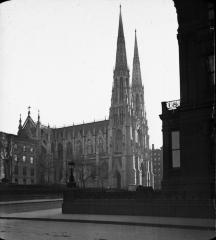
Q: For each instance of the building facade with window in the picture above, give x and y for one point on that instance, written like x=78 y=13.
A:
x=4 y=156
x=188 y=124
x=24 y=161
x=157 y=166
x=112 y=152
x=18 y=161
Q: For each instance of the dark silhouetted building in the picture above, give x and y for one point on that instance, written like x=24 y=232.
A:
x=188 y=124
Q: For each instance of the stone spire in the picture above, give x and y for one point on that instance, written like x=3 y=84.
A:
x=38 y=116
x=29 y=111
x=20 y=123
x=121 y=57
x=136 y=74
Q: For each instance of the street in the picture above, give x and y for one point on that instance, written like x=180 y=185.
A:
x=32 y=225
x=39 y=230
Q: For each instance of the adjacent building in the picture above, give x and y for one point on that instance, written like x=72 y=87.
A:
x=157 y=166
x=189 y=123
x=4 y=153
x=18 y=159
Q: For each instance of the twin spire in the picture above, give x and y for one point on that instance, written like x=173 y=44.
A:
x=136 y=75
x=121 y=56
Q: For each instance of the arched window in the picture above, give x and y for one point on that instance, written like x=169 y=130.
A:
x=121 y=94
x=121 y=117
x=118 y=179
x=43 y=165
x=53 y=148
x=140 y=139
x=59 y=163
x=119 y=141
x=69 y=152
x=79 y=147
x=89 y=147
x=100 y=144
x=60 y=152
x=137 y=103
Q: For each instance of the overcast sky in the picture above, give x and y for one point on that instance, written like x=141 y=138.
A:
x=58 y=56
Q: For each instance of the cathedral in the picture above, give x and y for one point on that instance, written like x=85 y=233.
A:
x=110 y=153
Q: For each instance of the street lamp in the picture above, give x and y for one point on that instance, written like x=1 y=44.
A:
x=71 y=182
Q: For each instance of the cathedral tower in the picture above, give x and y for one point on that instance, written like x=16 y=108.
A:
x=140 y=125
x=120 y=161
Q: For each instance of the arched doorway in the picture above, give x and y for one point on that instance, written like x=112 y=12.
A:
x=59 y=163
x=43 y=165
x=118 y=145
x=69 y=158
x=117 y=179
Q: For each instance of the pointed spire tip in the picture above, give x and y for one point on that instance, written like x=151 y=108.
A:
x=38 y=116
x=136 y=74
x=20 y=122
x=121 y=59
x=29 y=110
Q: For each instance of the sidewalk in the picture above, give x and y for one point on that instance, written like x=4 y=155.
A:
x=168 y=222
x=31 y=201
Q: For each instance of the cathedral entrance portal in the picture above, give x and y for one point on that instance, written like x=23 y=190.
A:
x=117 y=179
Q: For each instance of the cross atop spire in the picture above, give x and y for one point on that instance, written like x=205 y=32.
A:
x=29 y=112
x=20 y=121
x=121 y=57
x=136 y=75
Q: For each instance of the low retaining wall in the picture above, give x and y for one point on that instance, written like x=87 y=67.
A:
x=134 y=203
x=23 y=192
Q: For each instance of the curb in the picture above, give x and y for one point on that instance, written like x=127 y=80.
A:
x=161 y=225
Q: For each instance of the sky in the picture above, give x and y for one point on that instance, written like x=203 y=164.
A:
x=58 y=56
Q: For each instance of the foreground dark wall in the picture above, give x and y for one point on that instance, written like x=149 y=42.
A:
x=24 y=192
x=135 y=203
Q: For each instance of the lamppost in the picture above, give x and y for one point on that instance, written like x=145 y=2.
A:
x=71 y=182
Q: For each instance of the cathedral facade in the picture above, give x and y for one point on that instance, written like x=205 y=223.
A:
x=111 y=153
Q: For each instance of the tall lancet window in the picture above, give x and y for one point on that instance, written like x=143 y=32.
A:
x=100 y=145
x=121 y=94
x=137 y=103
x=118 y=141
x=89 y=147
x=79 y=147
x=69 y=152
